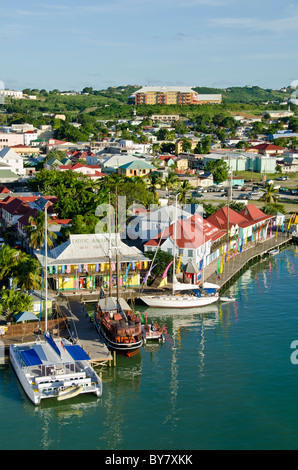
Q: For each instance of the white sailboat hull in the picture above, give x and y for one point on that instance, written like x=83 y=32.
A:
x=178 y=301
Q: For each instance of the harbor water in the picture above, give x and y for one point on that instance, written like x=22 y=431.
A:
x=225 y=378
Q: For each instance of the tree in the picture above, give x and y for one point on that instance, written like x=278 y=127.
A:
x=154 y=182
x=270 y=195
x=14 y=302
x=37 y=232
x=28 y=273
x=219 y=169
x=183 y=191
x=8 y=261
x=171 y=181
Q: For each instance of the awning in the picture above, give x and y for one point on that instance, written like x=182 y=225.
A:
x=77 y=353
x=30 y=357
x=25 y=316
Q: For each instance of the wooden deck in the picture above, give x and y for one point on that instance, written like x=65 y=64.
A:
x=82 y=328
x=241 y=260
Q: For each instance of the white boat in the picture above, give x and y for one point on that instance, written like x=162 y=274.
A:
x=198 y=297
x=179 y=301
x=47 y=367
x=274 y=252
x=227 y=299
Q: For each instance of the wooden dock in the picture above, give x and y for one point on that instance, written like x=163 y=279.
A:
x=239 y=263
x=83 y=329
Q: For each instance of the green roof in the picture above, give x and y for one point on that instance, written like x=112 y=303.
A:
x=137 y=165
x=8 y=174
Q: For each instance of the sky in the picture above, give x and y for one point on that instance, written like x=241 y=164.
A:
x=70 y=44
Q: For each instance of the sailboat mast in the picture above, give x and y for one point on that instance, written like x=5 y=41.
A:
x=46 y=267
x=110 y=250
x=174 y=248
x=117 y=248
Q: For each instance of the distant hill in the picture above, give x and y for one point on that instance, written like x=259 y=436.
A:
x=247 y=94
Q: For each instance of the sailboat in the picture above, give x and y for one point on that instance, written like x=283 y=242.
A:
x=194 y=298
x=118 y=326
x=53 y=368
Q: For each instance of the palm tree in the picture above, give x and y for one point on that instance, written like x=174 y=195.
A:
x=270 y=196
x=183 y=191
x=37 y=232
x=154 y=182
x=171 y=181
x=8 y=261
x=14 y=302
x=28 y=273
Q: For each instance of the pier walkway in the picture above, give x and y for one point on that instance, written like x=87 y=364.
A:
x=240 y=261
x=83 y=329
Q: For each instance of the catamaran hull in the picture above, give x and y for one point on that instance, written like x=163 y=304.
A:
x=127 y=349
x=35 y=397
x=178 y=302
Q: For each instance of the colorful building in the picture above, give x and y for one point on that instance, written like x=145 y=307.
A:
x=83 y=263
x=172 y=95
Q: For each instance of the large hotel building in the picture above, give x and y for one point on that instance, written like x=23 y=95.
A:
x=172 y=95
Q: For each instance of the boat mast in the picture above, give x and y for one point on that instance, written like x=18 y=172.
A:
x=174 y=248
x=117 y=250
x=46 y=267
x=110 y=250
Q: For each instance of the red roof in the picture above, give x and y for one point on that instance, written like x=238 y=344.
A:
x=249 y=215
x=266 y=147
x=191 y=233
x=220 y=218
x=3 y=190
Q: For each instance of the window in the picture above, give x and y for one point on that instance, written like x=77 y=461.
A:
x=190 y=253
x=170 y=251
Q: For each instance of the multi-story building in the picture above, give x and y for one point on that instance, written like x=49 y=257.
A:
x=172 y=95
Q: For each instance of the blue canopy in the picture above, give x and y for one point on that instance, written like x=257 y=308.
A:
x=52 y=343
x=25 y=316
x=30 y=357
x=77 y=353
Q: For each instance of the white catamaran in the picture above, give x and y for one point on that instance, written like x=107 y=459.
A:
x=196 y=296
x=53 y=368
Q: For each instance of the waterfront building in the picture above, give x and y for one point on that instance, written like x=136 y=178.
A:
x=190 y=239
x=83 y=263
x=171 y=95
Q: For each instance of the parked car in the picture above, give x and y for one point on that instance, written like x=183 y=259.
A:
x=237 y=186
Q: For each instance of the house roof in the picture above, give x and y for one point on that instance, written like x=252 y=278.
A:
x=191 y=233
x=266 y=147
x=220 y=218
x=249 y=215
x=138 y=165
x=92 y=249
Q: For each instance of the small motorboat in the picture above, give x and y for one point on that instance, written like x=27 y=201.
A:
x=69 y=392
x=227 y=299
x=152 y=332
x=274 y=252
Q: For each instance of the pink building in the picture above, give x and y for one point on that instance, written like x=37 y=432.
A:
x=9 y=139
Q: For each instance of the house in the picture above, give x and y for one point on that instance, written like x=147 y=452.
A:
x=135 y=168
x=149 y=224
x=83 y=263
x=190 y=239
x=247 y=225
x=92 y=171
x=266 y=149
x=13 y=160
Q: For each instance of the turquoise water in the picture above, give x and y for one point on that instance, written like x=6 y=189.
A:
x=222 y=380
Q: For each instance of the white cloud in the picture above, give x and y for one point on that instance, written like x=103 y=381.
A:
x=279 y=25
